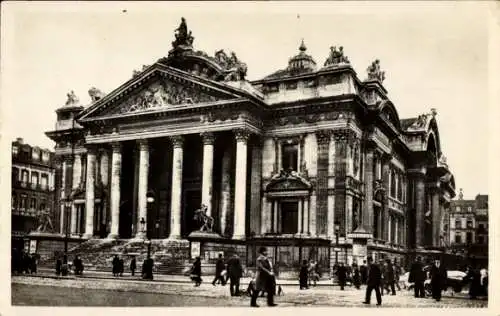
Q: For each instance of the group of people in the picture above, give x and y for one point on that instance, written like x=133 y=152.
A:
x=478 y=280
x=231 y=270
x=309 y=274
x=264 y=281
x=119 y=267
x=22 y=262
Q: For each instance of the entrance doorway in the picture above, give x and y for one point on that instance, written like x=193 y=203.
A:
x=289 y=217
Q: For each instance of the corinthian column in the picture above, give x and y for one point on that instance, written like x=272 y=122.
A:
x=142 y=203
x=208 y=166
x=77 y=171
x=436 y=217
x=89 y=194
x=225 y=199
x=420 y=209
x=367 y=214
x=241 y=184
x=176 y=196
x=116 y=166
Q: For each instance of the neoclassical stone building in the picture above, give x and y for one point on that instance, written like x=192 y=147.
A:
x=292 y=161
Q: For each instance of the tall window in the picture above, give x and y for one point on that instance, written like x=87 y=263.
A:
x=469 y=209
x=458 y=239
x=458 y=224
x=24 y=176
x=290 y=156
x=23 y=201
x=15 y=150
x=469 y=223
x=15 y=175
x=34 y=178
x=469 y=237
x=393 y=184
x=457 y=208
x=44 y=181
x=33 y=204
x=480 y=239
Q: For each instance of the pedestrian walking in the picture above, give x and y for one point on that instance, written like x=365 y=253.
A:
x=121 y=266
x=303 y=275
x=116 y=266
x=64 y=267
x=484 y=281
x=196 y=272
x=58 y=266
x=234 y=273
x=78 y=265
x=341 y=275
x=438 y=279
x=397 y=274
x=147 y=268
x=363 y=272
x=219 y=268
x=356 y=278
x=34 y=263
x=313 y=273
x=133 y=266
x=389 y=277
x=373 y=282
x=417 y=276
x=382 y=274
x=473 y=276
x=265 y=279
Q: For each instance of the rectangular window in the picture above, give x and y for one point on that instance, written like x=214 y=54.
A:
x=44 y=181
x=33 y=204
x=290 y=157
x=458 y=224
x=469 y=209
x=469 y=223
x=480 y=239
x=289 y=217
x=42 y=205
x=457 y=208
x=23 y=201
x=469 y=237
x=34 y=178
x=458 y=239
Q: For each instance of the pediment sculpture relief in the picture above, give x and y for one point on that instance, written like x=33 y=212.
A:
x=163 y=95
x=374 y=71
x=336 y=57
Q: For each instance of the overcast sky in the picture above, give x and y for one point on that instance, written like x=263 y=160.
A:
x=435 y=56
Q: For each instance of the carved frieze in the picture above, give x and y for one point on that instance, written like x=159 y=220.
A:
x=307 y=118
x=163 y=94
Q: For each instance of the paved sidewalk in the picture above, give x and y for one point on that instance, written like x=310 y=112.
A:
x=44 y=272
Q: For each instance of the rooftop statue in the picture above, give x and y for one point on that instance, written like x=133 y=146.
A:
x=182 y=36
x=374 y=72
x=336 y=57
x=95 y=94
x=419 y=122
x=235 y=69
x=72 y=99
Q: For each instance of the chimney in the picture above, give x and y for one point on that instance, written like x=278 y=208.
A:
x=20 y=140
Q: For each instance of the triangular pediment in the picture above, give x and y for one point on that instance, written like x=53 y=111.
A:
x=159 y=88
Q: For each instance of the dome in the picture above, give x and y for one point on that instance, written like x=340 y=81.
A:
x=302 y=62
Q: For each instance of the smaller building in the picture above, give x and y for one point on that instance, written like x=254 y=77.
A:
x=468 y=227
x=33 y=177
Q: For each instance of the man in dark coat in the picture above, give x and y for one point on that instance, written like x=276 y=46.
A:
x=389 y=277
x=147 y=269
x=304 y=271
x=363 y=272
x=116 y=266
x=438 y=279
x=341 y=275
x=382 y=275
x=264 y=280
x=234 y=272
x=121 y=266
x=373 y=282
x=219 y=267
x=133 y=266
x=417 y=276
x=356 y=279
x=196 y=272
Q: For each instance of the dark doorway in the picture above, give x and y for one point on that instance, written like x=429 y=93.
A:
x=289 y=217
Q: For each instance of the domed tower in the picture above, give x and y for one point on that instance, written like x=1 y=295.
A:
x=301 y=63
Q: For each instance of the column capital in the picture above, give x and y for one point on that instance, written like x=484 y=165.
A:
x=177 y=140
x=208 y=138
x=116 y=147
x=344 y=134
x=69 y=158
x=323 y=136
x=143 y=144
x=241 y=135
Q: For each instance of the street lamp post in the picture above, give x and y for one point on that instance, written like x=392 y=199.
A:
x=337 y=230
x=157 y=227
x=147 y=241
x=67 y=210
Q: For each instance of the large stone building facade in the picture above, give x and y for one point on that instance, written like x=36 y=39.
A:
x=311 y=161
x=33 y=183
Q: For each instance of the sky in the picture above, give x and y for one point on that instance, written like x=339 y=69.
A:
x=435 y=55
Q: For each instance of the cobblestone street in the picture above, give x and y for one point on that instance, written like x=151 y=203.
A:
x=116 y=292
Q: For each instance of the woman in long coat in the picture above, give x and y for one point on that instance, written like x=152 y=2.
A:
x=304 y=271
x=264 y=280
x=196 y=272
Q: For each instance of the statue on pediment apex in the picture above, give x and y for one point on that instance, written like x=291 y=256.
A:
x=72 y=98
x=374 y=71
x=95 y=94
x=183 y=37
x=336 y=57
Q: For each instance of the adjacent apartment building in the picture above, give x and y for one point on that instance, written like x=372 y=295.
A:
x=468 y=226
x=33 y=176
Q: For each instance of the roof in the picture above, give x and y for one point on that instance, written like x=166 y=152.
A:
x=405 y=123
